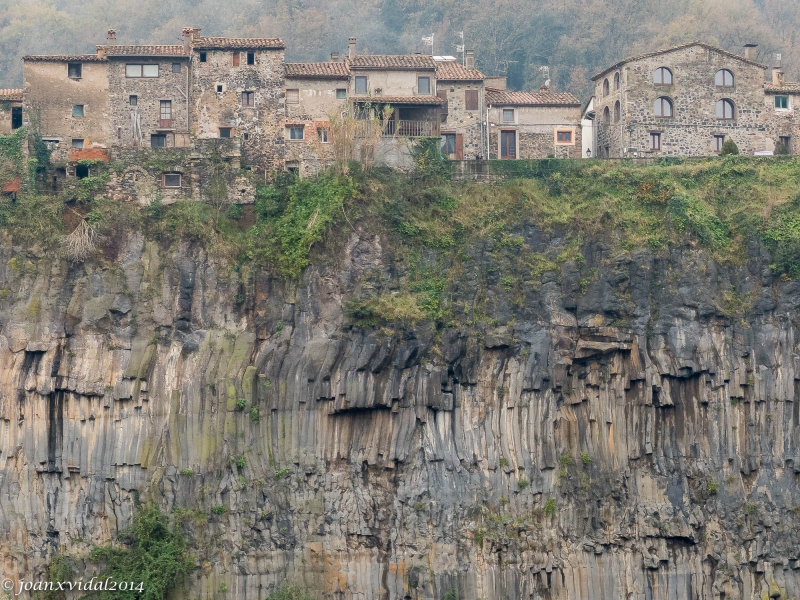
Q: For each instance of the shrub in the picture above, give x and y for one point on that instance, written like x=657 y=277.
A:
x=290 y=592
x=522 y=484
x=781 y=149
x=713 y=487
x=729 y=147
x=240 y=462
x=151 y=551
x=254 y=414
x=585 y=458
x=550 y=507
x=241 y=403
x=187 y=472
x=219 y=509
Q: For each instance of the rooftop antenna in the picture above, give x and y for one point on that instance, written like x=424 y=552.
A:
x=545 y=70
x=460 y=48
x=428 y=41
x=504 y=65
x=778 y=59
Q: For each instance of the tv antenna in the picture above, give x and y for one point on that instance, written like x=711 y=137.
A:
x=504 y=65
x=428 y=41
x=460 y=48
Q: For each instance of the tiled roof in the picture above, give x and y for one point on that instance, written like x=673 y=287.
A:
x=66 y=58
x=786 y=88
x=680 y=47
x=10 y=94
x=494 y=96
x=399 y=99
x=325 y=70
x=222 y=43
x=148 y=50
x=393 y=61
x=451 y=70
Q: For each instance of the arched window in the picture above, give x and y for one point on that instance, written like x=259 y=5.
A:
x=616 y=112
x=616 y=81
x=605 y=87
x=606 y=116
x=662 y=76
x=663 y=107
x=723 y=78
x=725 y=109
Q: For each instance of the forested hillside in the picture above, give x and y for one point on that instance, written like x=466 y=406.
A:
x=572 y=37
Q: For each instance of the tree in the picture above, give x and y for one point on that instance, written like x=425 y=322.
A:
x=729 y=147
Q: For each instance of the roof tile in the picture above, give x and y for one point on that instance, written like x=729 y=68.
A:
x=433 y=100
x=145 y=50
x=222 y=43
x=787 y=88
x=11 y=94
x=673 y=49
x=323 y=70
x=494 y=96
x=392 y=61
x=65 y=58
x=451 y=70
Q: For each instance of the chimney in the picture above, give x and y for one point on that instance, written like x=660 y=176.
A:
x=777 y=76
x=352 y=52
x=188 y=32
x=750 y=51
x=334 y=57
x=469 y=59
x=112 y=37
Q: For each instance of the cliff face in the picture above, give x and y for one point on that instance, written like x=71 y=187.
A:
x=625 y=426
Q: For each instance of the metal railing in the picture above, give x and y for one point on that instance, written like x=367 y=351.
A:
x=411 y=128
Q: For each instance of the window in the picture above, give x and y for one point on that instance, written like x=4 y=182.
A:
x=781 y=101
x=617 y=112
x=655 y=140
x=77 y=110
x=606 y=116
x=176 y=67
x=616 y=81
x=219 y=88
x=141 y=70
x=564 y=137
x=235 y=59
x=725 y=109
x=663 y=107
x=786 y=141
x=74 y=70
x=723 y=78
x=16 y=117
x=292 y=96
x=471 y=99
x=246 y=136
x=508 y=144
x=77 y=143
x=224 y=132
x=448 y=143
x=158 y=140
x=719 y=140
x=322 y=134
x=508 y=115
x=171 y=180
x=133 y=99
x=361 y=84
x=296 y=132
x=81 y=171
x=165 y=114
x=605 y=87
x=251 y=58
x=341 y=93
x=662 y=76
x=423 y=85
x=248 y=98
x=202 y=57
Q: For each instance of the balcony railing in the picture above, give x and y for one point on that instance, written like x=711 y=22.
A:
x=411 y=128
x=165 y=123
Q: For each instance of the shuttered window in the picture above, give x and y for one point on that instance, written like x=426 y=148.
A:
x=471 y=99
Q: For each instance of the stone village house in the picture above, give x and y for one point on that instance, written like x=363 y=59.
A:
x=687 y=100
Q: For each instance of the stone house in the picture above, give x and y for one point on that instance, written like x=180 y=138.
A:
x=682 y=101
x=782 y=101
x=527 y=125
x=315 y=94
x=10 y=110
x=461 y=89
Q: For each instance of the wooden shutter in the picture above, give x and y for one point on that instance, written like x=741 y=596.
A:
x=471 y=99
x=235 y=59
x=459 y=146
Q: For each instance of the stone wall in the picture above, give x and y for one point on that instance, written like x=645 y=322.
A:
x=144 y=117
x=691 y=130
x=260 y=127
x=459 y=119
x=49 y=95
x=536 y=128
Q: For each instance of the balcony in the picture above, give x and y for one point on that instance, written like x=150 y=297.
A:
x=410 y=128
x=165 y=123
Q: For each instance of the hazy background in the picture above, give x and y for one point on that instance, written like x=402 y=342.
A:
x=575 y=38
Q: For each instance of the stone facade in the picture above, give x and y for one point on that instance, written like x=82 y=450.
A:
x=785 y=121
x=223 y=70
x=463 y=89
x=531 y=126
x=10 y=110
x=626 y=96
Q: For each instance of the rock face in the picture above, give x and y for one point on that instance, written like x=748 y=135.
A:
x=625 y=427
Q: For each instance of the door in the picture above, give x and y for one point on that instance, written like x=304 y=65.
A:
x=508 y=144
x=16 y=117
